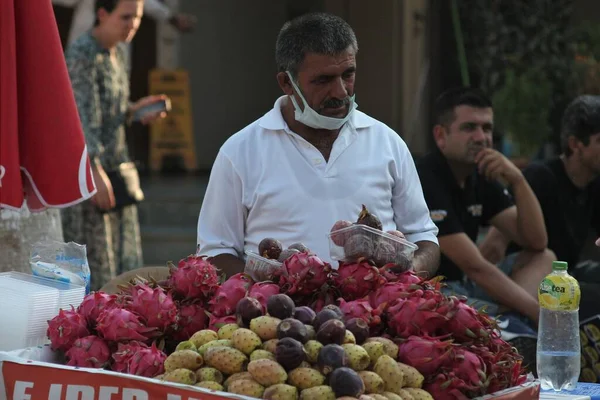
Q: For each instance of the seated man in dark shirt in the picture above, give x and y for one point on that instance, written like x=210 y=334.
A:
x=568 y=189
x=461 y=182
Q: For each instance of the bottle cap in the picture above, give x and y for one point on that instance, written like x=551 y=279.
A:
x=559 y=266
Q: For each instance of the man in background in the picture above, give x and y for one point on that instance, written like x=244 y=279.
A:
x=464 y=181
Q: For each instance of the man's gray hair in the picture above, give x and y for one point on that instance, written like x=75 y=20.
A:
x=581 y=119
x=318 y=33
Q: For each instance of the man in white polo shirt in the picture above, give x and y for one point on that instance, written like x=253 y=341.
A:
x=312 y=160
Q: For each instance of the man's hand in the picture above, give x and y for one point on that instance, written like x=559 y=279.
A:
x=598 y=242
x=104 y=198
x=494 y=245
x=495 y=166
x=184 y=23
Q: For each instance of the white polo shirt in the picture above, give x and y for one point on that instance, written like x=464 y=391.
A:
x=267 y=181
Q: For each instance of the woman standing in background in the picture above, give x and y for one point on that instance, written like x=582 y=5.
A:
x=98 y=70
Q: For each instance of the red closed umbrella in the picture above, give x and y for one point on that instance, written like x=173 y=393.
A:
x=43 y=156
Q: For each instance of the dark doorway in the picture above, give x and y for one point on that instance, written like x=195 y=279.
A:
x=143 y=60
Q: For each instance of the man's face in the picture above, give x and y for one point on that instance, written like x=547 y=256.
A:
x=124 y=21
x=327 y=82
x=467 y=135
x=589 y=156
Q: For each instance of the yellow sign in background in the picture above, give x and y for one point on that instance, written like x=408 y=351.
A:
x=174 y=135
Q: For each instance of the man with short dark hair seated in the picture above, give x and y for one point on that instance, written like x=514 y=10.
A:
x=466 y=185
x=568 y=190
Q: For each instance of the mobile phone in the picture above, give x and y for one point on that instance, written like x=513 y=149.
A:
x=157 y=106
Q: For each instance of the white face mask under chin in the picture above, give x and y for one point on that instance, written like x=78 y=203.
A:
x=313 y=119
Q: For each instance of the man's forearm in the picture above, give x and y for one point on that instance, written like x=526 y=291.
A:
x=228 y=264
x=530 y=219
x=427 y=258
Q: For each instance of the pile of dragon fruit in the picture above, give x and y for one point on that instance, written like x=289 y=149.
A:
x=457 y=349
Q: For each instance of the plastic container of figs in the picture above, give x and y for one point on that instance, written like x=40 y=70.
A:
x=260 y=268
x=361 y=241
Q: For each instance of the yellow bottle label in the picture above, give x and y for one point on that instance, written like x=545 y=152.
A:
x=559 y=293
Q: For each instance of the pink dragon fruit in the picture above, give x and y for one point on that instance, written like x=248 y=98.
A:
x=447 y=387
x=389 y=272
x=192 y=318
x=503 y=364
x=465 y=323
x=65 y=328
x=306 y=274
x=496 y=344
x=261 y=291
x=506 y=375
x=417 y=316
x=229 y=294
x=118 y=324
x=468 y=367
x=94 y=303
x=388 y=293
x=124 y=353
x=88 y=352
x=147 y=362
x=324 y=297
x=361 y=309
x=425 y=353
x=409 y=278
x=194 y=278
x=217 y=322
x=154 y=305
x=358 y=279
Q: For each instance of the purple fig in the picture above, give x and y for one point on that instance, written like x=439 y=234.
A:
x=289 y=353
x=324 y=316
x=293 y=328
x=270 y=248
x=330 y=357
x=346 y=382
x=246 y=310
x=281 y=306
x=305 y=314
x=359 y=329
x=332 y=331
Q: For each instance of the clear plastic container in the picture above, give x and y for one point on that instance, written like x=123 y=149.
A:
x=70 y=294
x=358 y=241
x=25 y=310
x=260 y=268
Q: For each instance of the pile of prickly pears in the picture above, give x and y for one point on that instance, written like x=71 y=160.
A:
x=294 y=353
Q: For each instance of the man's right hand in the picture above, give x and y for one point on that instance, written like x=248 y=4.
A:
x=104 y=198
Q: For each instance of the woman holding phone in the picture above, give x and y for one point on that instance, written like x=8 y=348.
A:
x=107 y=225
